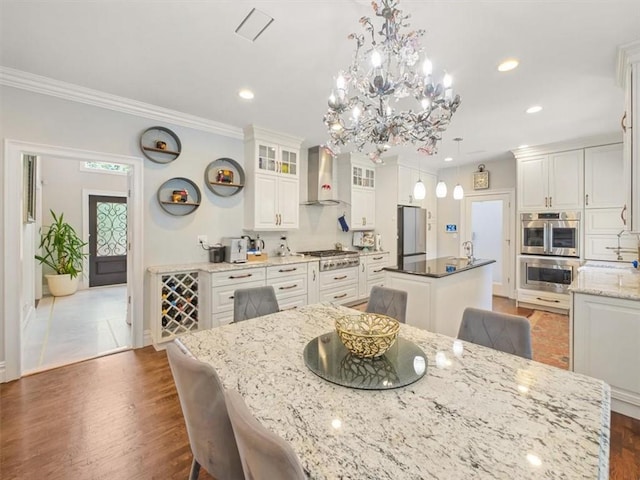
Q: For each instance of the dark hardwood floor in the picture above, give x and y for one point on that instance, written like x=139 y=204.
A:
x=118 y=417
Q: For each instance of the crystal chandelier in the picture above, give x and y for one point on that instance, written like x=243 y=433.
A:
x=388 y=95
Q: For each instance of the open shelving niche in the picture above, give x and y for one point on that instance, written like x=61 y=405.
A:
x=165 y=192
x=224 y=189
x=149 y=144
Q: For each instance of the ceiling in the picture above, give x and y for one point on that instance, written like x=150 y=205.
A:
x=185 y=56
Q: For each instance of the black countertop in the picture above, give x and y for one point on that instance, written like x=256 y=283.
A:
x=441 y=267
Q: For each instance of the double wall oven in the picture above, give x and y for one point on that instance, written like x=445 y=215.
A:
x=550 y=250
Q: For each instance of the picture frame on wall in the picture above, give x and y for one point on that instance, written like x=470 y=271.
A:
x=29 y=164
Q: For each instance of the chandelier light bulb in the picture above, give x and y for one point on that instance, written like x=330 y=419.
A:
x=376 y=59
x=427 y=67
x=419 y=190
x=425 y=103
x=447 y=81
x=340 y=82
x=458 y=192
x=441 y=189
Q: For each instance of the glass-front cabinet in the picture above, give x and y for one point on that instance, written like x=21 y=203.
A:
x=277 y=159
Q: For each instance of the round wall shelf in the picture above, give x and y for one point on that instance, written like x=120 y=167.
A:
x=179 y=196
x=160 y=145
x=224 y=177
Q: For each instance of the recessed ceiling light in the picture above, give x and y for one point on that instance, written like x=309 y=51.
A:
x=448 y=159
x=534 y=109
x=246 y=94
x=507 y=65
x=523 y=146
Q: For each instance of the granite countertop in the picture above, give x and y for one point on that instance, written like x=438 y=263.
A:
x=479 y=414
x=224 y=267
x=441 y=267
x=607 y=282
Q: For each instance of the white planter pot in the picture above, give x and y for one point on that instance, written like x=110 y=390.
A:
x=61 y=285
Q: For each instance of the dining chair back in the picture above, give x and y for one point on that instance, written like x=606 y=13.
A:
x=500 y=331
x=388 y=301
x=205 y=414
x=264 y=455
x=254 y=302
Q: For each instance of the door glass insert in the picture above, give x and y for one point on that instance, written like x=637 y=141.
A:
x=564 y=237
x=111 y=229
x=267 y=158
x=558 y=276
x=533 y=237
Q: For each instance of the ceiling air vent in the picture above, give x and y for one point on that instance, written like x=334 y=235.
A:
x=253 y=25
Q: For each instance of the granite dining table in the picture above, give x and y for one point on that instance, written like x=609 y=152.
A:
x=476 y=413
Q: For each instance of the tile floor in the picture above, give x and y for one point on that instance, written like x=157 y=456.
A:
x=85 y=325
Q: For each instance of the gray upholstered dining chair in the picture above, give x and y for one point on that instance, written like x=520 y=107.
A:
x=201 y=394
x=264 y=455
x=388 y=301
x=500 y=331
x=254 y=302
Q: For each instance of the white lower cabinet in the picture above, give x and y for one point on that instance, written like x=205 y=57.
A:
x=223 y=286
x=290 y=284
x=313 y=282
x=606 y=339
x=339 y=286
x=374 y=271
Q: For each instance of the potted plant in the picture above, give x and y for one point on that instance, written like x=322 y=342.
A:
x=63 y=251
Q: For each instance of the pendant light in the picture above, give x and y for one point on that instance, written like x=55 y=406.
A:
x=458 y=192
x=441 y=189
x=419 y=190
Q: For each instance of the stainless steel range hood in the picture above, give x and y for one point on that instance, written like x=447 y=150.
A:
x=322 y=189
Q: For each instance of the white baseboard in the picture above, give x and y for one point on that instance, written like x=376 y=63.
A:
x=148 y=339
x=3 y=377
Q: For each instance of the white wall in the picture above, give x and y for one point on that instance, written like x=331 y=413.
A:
x=41 y=119
x=502 y=175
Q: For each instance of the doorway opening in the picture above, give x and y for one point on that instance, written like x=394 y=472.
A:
x=19 y=264
x=488 y=223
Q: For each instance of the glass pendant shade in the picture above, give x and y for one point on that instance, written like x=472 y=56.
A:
x=441 y=190
x=458 y=192
x=419 y=190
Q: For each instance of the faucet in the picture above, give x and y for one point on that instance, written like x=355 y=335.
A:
x=468 y=250
x=619 y=250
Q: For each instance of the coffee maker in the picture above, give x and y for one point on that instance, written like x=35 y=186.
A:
x=235 y=250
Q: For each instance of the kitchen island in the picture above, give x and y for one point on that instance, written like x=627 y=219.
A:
x=476 y=413
x=440 y=289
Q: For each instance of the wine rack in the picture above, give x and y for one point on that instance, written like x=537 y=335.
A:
x=179 y=305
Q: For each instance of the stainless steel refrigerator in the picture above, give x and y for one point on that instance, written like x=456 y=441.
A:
x=412 y=236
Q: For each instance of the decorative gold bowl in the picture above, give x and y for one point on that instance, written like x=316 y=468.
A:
x=367 y=335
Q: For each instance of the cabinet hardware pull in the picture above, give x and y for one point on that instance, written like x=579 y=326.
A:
x=289 y=287
x=231 y=297
x=586 y=199
x=546 y=201
x=232 y=277
x=624 y=220
x=290 y=308
x=283 y=270
x=340 y=278
x=378 y=258
x=340 y=296
x=547 y=300
x=550 y=201
x=378 y=271
x=314 y=275
x=363 y=268
x=623 y=124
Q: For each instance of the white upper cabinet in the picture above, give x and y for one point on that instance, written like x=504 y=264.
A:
x=272 y=163
x=629 y=77
x=605 y=177
x=551 y=182
x=356 y=188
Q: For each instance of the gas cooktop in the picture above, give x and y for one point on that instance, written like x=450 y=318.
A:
x=335 y=259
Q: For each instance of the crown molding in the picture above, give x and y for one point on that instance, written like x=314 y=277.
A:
x=11 y=77
x=576 y=144
x=627 y=54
